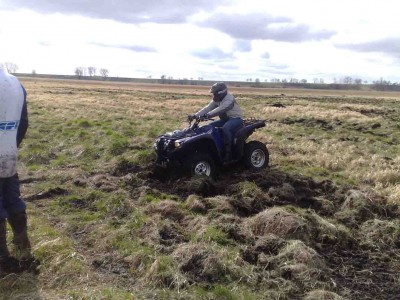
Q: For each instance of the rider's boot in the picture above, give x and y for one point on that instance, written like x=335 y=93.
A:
x=19 y=227
x=8 y=264
x=3 y=240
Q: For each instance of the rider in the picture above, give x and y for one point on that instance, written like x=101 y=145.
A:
x=223 y=105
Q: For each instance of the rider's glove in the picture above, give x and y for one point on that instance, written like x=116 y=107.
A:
x=204 y=117
x=191 y=117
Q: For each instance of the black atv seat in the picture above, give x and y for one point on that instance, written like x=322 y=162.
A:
x=219 y=128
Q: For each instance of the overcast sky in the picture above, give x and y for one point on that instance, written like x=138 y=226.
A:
x=216 y=40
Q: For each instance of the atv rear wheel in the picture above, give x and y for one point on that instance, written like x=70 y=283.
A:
x=201 y=164
x=256 y=155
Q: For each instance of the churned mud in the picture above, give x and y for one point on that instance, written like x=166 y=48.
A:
x=312 y=235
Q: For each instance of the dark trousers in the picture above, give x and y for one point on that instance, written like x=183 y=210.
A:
x=10 y=200
x=228 y=128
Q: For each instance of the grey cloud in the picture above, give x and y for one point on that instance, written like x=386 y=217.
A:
x=266 y=55
x=134 y=48
x=280 y=73
x=212 y=54
x=139 y=48
x=389 y=46
x=243 y=45
x=264 y=27
x=128 y=11
x=276 y=68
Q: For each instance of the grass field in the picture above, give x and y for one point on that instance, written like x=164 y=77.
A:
x=322 y=222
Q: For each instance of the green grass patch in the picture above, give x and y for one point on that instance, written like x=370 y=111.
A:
x=215 y=235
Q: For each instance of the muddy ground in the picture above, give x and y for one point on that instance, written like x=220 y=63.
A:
x=298 y=236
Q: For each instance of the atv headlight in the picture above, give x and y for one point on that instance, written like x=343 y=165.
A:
x=178 y=143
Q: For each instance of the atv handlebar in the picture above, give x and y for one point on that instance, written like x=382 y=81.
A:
x=197 y=120
x=203 y=119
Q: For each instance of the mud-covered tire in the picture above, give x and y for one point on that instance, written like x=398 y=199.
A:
x=201 y=164
x=256 y=155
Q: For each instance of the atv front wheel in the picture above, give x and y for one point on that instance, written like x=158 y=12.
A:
x=201 y=164
x=256 y=155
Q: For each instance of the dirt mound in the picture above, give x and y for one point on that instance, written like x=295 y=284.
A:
x=215 y=205
x=103 y=182
x=360 y=206
x=293 y=223
x=201 y=185
x=299 y=263
x=196 y=204
x=167 y=208
x=278 y=221
x=199 y=263
x=380 y=234
x=269 y=244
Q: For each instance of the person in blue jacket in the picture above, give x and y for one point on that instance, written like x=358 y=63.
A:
x=13 y=126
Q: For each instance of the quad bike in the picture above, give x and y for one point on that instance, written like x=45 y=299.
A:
x=199 y=150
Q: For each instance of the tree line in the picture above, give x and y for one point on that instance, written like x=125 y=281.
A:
x=10 y=67
x=343 y=83
x=90 y=72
